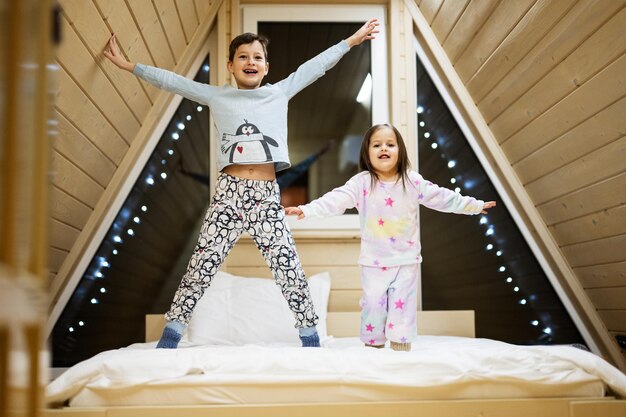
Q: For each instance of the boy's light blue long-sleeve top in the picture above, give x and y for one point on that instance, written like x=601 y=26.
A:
x=251 y=124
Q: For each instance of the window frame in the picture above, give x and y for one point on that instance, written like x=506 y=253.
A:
x=346 y=224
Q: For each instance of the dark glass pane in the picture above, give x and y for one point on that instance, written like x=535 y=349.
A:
x=479 y=263
x=326 y=122
x=137 y=266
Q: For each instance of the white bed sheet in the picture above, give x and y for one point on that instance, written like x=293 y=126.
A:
x=438 y=367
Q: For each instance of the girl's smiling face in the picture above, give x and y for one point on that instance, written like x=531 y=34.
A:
x=383 y=154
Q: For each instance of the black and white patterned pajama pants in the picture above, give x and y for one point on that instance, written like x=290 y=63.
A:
x=253 y=206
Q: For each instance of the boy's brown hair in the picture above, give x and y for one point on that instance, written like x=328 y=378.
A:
x=244 y=39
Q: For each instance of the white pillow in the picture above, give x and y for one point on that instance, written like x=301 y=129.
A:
x=236 y=310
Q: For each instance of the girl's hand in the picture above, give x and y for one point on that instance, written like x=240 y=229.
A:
x=366 y=32
x=112 y=52
x=488 y=205
x=294 y=210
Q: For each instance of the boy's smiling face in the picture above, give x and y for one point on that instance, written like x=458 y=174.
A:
x=249 y=65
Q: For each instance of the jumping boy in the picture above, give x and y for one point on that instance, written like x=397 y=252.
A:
x=251 y=122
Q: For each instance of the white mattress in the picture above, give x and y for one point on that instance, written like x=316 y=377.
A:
x=343 y=370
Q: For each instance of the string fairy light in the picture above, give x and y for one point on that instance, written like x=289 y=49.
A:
x=483 y=219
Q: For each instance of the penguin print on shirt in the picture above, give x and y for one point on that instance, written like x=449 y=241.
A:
x=247 y=145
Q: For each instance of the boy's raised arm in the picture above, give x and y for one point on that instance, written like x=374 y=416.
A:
x=112 y=52
x=160 y=78
x=316 y=67
x=365 y=33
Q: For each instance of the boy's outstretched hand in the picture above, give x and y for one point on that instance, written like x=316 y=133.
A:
x=294 y=210
x=113 y=53
x=366 y=32
x=488 y=205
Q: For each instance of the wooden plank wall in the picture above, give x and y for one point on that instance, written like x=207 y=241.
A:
x=100 y=108
x=549 y=79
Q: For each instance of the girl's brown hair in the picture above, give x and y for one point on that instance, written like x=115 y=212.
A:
x=403 y=158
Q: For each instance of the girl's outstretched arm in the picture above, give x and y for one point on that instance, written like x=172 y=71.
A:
x=112 y=52
x=365 y=32
x=443 y=199
x=333 y=203
x=488 y=205
x=294 y=210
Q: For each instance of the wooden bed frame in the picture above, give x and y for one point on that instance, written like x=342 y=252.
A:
x=344 y=324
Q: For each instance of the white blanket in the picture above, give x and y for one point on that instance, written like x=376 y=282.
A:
x=438 y=367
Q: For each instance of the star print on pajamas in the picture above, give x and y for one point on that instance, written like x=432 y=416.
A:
x=387 y=303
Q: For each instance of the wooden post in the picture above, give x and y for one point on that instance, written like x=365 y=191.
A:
x=38 y=259
x=4 y=370
x=12 y=82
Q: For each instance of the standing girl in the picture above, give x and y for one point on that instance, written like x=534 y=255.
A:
x=387 y=195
